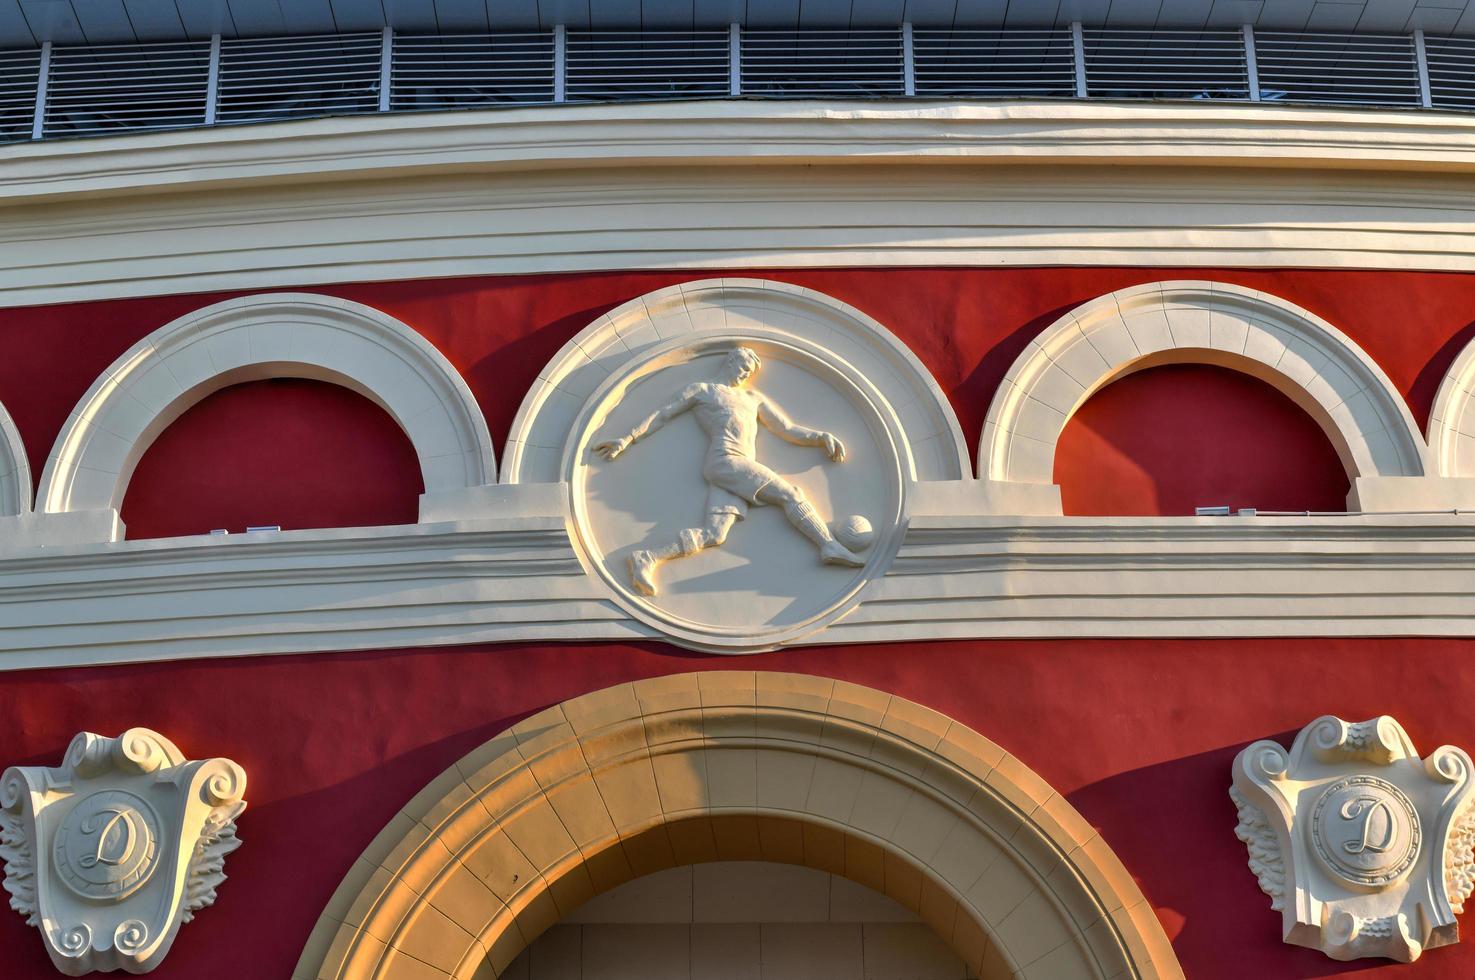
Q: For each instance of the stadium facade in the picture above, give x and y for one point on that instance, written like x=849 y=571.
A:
x=711 y=490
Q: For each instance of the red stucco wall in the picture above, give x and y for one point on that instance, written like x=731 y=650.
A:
x=287 y=451
x=1180 y=436
x=1138 y=735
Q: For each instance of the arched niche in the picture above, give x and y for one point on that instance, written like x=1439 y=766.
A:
x=757 y=309
x=1313 y=363
x=737 y=765
x=276 y=335
x=15 y=469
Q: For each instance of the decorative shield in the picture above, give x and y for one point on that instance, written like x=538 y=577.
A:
x=109 y=853
x=1364 y=848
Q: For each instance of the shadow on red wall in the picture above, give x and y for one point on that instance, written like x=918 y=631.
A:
x=1172 y=438
x=295 y=453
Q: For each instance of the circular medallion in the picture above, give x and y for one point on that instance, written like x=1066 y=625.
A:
x=734 y=491
x=107 y=847
x=1366 y=830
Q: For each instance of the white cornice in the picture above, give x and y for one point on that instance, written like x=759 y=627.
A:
x=727 y=132
x=674 y=186
x=520 y=579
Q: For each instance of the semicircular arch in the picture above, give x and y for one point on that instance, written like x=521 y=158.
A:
x=738 y=765
x=1312 y=362
x=15 y=469
x=275 y=335
x=756 y=308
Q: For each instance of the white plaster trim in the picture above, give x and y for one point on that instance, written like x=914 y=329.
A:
x=674 y=187
x=1302 y=355
x=519 y=579
x=15 y=469
x=719 y=131
x=1452 y=419
x=278 y=335
x=748 y=308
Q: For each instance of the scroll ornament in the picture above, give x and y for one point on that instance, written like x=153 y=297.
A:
x=110 y=853
x=1363 y=847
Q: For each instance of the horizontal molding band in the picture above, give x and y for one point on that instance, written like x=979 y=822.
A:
x=519 y=579
x=674 y=186
x=716 y=132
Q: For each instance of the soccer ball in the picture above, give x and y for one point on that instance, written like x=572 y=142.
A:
x=854 y=532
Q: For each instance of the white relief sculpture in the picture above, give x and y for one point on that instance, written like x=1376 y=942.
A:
x=111 y=852
x=1363 y=847
x=729 y=414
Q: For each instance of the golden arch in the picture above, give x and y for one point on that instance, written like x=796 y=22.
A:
x=737 y=765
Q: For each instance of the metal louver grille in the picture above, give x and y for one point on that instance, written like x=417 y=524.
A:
x=1337 y=69
x=119 y=88
x=17 y=93
x=465 y=71
x=993 y=64
x=822 y=64
x=294 y=77
x=122 y=88
x=1166 y=64
x=607 y=66
x=1451 y=71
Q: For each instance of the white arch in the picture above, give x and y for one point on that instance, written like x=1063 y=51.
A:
x=1452 y=419
x=15 y=469
x=1302 y=355
x=754 y=307
x=293 y=335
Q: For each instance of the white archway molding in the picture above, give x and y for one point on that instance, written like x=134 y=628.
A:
x=738 y=766
x=1297 y=352
x=757 y=308
x=1452 y=420
x=277 y=335
x=15 y=469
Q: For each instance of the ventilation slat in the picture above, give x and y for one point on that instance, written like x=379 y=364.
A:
x=272 y=79
x=1451 y=71
x=822 y=64
x=994 y=64
x=467 y=71
x=18 y=79
x=126 y=88
x=608 y=66
x=1337 y=69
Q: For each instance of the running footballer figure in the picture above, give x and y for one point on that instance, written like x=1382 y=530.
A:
x=730 y=413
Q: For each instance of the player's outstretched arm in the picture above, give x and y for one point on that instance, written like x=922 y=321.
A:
x=611 y=449
x=774 y=419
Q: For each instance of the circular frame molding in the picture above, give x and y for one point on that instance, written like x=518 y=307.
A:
x=276 y=335
x=1309 y=360
x=864 y=398
x=737 y=765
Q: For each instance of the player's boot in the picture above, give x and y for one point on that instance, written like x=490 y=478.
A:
x=643 y=572
x=833 y=552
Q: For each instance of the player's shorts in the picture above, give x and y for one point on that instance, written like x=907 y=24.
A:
x=733 y=483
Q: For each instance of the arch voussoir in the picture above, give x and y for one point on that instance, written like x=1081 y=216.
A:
x=737 y=765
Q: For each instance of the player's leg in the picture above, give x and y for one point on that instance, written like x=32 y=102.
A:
x=802 y=515
x=643 y=563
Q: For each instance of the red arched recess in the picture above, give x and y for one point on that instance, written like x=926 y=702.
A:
x=1169 y=439
x=292 y=452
